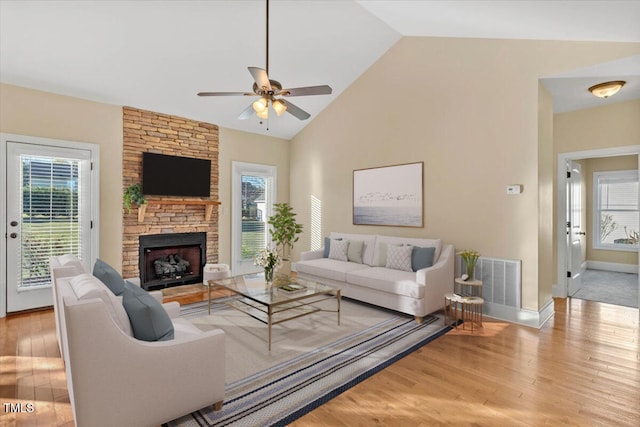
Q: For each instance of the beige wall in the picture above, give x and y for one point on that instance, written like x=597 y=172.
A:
x=469 y=110
x=250 y=148
x=35 y=113
x=599 y=165
x=546 y=210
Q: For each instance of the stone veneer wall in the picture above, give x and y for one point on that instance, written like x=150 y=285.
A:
x=171 y=135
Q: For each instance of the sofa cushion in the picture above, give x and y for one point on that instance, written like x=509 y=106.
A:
x=396 y=282
x=422 y=257
x=149 y=320
x=339 y=250
x=86 y=286
x=399 y=257
x=328 y=268
x=109 y=276
x=354 y=253
x=368 y=246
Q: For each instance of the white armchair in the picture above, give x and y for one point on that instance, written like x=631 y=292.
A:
x=118 y=380
x=115 y=379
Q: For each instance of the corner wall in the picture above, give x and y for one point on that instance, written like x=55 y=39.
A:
x=468 y=108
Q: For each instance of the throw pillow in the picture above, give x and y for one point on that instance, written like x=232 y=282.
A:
x=399 y=257
x=327 y=246
x=422 y=257
x=149 y=320
x=381 y=260
x=338 y=250
x=109 y=276
x=354 y=253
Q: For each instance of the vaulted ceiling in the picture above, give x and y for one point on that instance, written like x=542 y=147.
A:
x=157 y=55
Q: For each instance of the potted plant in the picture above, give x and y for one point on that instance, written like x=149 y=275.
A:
x=284 y=228
x=133 y=196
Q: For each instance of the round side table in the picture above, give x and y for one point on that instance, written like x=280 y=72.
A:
x=469 y=287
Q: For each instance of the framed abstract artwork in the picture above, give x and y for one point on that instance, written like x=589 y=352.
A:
x=389 y=195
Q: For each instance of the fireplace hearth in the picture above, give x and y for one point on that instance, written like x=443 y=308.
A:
x=171 y=259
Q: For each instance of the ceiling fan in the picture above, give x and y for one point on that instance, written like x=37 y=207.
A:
x=271 y=92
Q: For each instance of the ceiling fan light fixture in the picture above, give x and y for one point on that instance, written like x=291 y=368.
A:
x=260 y=105
x=606 y=89
x=264 y=114
x=279 y=106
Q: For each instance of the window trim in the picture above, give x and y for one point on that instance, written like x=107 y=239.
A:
x=596 y=216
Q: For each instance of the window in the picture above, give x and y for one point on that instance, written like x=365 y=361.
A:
x=253 y=193
x=616 y=223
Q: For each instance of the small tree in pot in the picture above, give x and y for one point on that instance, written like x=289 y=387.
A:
x=284 y=228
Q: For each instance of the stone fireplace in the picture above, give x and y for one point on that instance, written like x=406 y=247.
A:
x=148 y=131
x=171 y=259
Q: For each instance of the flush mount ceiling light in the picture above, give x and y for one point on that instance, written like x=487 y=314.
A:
x=607 y=89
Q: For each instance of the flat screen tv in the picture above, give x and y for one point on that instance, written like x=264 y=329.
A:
x=164 y=175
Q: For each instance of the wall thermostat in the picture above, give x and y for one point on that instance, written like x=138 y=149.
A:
x=514 y=189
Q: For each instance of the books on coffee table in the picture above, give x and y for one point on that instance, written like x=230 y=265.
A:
x=292 y=287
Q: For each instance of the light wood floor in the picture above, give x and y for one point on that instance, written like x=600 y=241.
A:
x=582 y=368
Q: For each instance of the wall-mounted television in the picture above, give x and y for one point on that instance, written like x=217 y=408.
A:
x=164 y=175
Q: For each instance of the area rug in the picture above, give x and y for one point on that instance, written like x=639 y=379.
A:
x=312 y=359
x=610 y=287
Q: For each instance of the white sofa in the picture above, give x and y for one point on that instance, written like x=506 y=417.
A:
x=417 y=293
x=115 y=379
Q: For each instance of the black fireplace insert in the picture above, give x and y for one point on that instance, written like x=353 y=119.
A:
x=171 y=259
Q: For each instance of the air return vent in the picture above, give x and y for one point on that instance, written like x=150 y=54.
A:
x=501 y=280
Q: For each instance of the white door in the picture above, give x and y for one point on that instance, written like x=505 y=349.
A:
x=253 y=194
x=576 y=235
x=48 y=213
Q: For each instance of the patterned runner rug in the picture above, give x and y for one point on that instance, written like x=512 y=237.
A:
x=312 y=359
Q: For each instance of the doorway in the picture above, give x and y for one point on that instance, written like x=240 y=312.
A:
x=50 y=209
x=253 y=195
x=566 y=236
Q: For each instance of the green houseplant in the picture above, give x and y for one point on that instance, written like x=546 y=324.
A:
x=133 y=196
x=284 y=228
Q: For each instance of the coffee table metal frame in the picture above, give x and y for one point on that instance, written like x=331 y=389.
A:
x=271 y=305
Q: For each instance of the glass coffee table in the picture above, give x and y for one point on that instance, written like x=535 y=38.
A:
x=287 y=299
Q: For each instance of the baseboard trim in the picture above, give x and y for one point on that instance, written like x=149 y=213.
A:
x=613 y=266
x=532 y=318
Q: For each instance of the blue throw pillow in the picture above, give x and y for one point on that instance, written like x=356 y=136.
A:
x=327 y=246
x=422 y=258
x=149 y=320
x=109 y=276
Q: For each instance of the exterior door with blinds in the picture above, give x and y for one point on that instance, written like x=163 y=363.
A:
x=48 y=213
x=253 y=193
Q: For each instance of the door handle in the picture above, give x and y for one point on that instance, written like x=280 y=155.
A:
x=13 y=235
x=582 y=233
x=14 y=223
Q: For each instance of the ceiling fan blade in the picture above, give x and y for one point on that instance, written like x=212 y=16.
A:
x=226 y=94
x=295 y=110
x=246 y=113
x=261 y=78
x=309 y=90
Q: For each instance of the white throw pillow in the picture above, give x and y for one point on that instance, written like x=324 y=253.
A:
x=399 y=257
x=339 y=250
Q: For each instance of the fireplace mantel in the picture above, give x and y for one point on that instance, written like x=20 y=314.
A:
x=208 y=204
